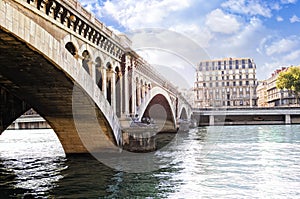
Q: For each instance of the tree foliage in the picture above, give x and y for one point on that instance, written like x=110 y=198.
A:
x=290 y=80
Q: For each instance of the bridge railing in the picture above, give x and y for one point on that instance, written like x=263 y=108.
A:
x=248 y=108
x=74 y=17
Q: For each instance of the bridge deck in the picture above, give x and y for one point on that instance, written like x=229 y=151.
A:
x=247 y=116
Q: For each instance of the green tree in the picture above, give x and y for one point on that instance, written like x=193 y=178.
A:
x=290 y=80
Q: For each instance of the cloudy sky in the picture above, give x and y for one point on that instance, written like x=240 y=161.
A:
x=265 y=30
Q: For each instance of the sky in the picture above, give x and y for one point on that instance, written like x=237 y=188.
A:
x=266 y=30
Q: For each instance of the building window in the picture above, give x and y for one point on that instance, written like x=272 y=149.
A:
x=204 y=84
x=234 y=84
x=241 y=83
x=247 y=83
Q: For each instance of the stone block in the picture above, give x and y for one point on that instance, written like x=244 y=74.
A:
x=21 y=25
x=2 y=12
x=27 y=29
x=32 y=32
x=50 y=45
x=15 y=21
x=8 y=17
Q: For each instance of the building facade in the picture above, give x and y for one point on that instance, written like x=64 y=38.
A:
x=262 y=95
x=226 y=83
x=273 y=95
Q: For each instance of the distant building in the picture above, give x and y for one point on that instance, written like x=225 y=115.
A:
x=275 y=96
x=262 y=95
x=226 y=82
x=29 y=120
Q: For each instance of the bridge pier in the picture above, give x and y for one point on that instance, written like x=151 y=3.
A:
x=125 y=109
x=287 y=119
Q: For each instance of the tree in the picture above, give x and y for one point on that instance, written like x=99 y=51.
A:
x=290 y=80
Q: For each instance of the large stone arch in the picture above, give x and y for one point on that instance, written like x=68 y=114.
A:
x=45 y=79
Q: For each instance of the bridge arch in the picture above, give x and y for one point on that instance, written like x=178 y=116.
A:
x=87 y=56
x=71 y=48
x=158 y=96
x=183 y=114
x=184 y=111
x=48 y=74
x=99 y=71
x=71 y=42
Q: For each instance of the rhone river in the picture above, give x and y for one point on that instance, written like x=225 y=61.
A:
x=208 y=162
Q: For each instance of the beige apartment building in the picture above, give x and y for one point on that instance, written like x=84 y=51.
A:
x=229 y=82
x=269 y=95
x=262 y=95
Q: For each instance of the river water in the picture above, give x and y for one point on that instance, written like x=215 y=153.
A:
x=208 y=162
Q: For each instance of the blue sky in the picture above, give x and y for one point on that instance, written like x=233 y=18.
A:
x=267 y=31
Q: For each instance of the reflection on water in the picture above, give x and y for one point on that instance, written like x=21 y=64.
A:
x=213 y=162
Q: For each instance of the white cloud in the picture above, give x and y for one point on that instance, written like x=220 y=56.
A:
x=288 y=1
x=133 y=14
x=218 y=21
x=251 y=8
x=279 y=19
x=292 y=56
x=282 y=46
x=244 y=42
x=202 y=36
x=294 y=19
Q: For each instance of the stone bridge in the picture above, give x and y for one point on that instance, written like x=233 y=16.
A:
x=85 y=80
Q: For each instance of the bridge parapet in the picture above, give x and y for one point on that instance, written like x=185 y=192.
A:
x=76 y=19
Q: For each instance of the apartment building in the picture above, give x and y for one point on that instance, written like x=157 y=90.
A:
x=273 y=95
x=225 y=83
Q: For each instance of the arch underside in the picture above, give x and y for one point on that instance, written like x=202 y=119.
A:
x=160 y=111
x=183 y=114
x=35 y=82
